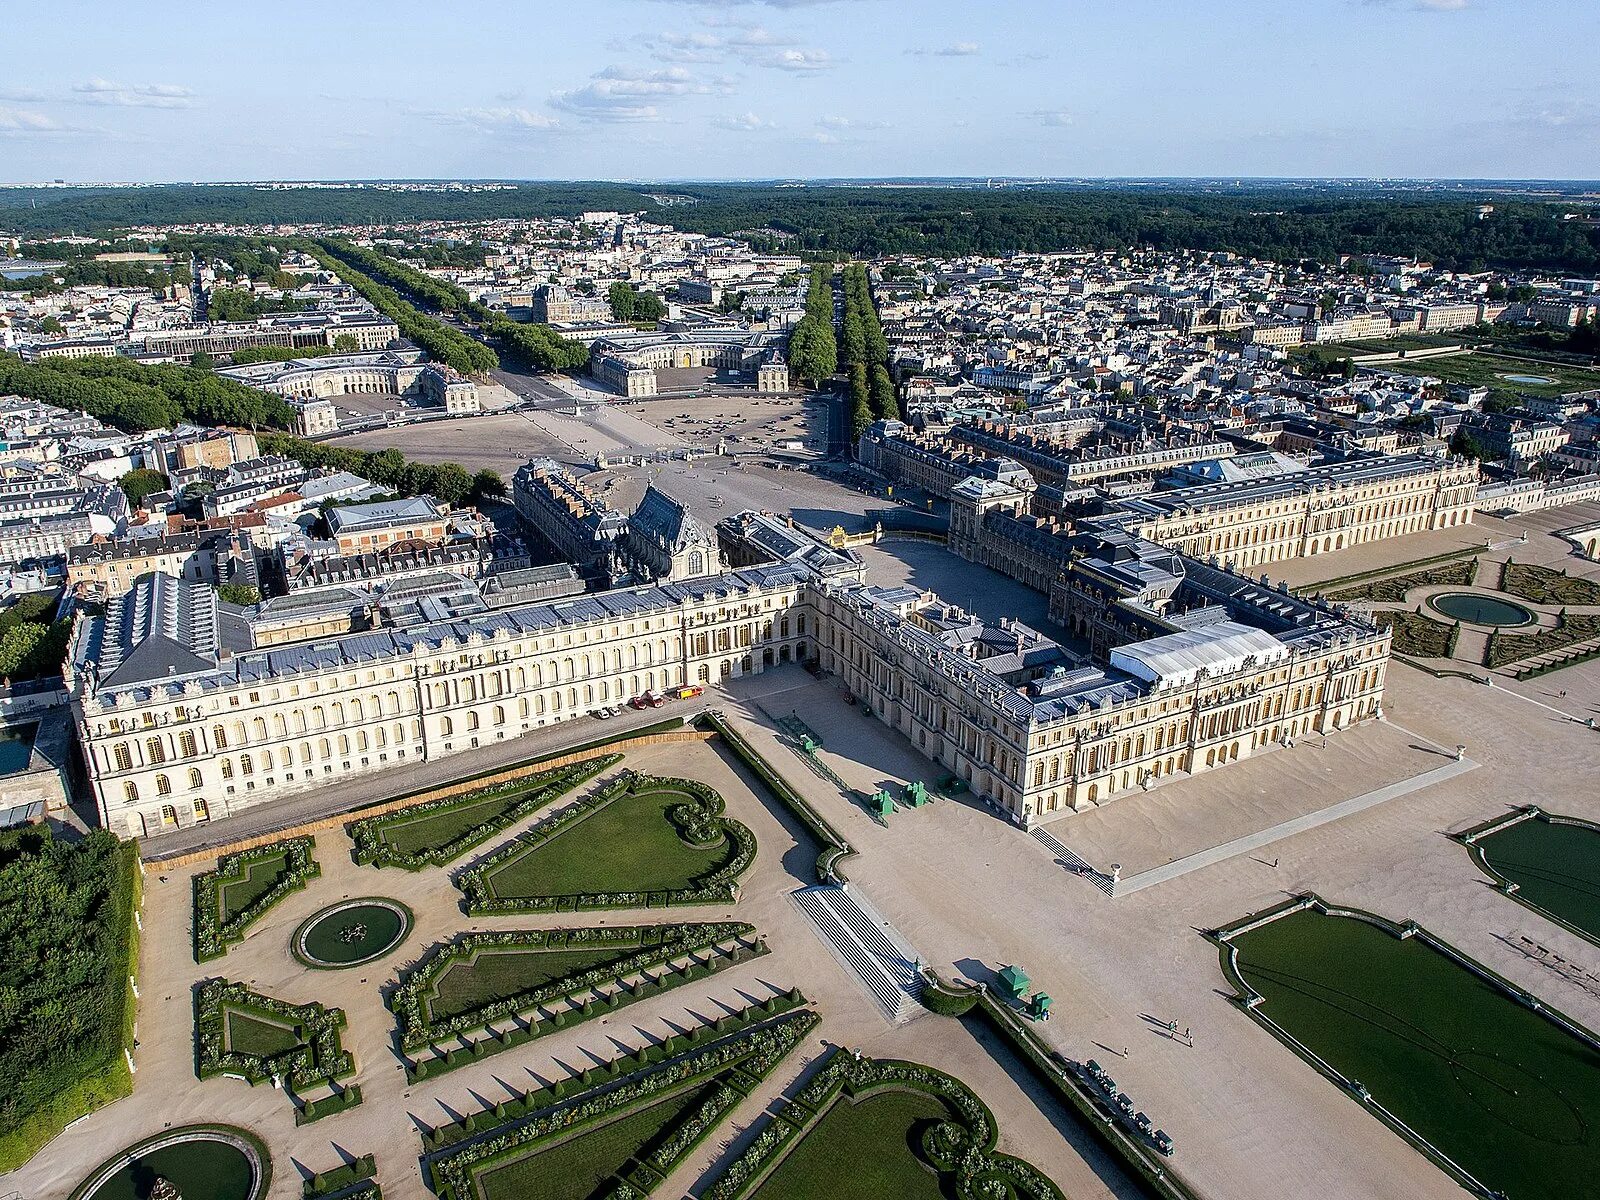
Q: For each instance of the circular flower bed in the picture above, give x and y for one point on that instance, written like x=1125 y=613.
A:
x=351 y=932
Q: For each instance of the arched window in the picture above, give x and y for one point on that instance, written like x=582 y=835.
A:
x=194 y=779
x=154 y=751
x=227 y=768
x=219 y=738
x=246 y=767
x=259 y=726
x=130 y=791
x=186 y=744
x=163 y=786
x=120 y=758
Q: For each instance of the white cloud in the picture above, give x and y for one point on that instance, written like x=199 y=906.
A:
x=798 y=60
x=622 y=94
x=25 y=95
x=1440 y=5
x=1055 y=117
x=501 y=119
x=26 y=121
x=956 y=50
x=851 y=123
x=134 y=95
x=744 y=123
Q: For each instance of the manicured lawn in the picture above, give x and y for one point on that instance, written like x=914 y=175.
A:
x=861 y=1151
x=432 y=830
x=577 y=1168
x=1488 y=370
x=627 y=846
x=1500 y=1089
x=258 y=879
x=1555 y=866
x=249 y=1034
x=495 y=974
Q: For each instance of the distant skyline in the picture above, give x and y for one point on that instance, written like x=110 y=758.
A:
x=738 y=89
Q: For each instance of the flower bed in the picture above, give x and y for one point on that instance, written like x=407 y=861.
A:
x=214 y=933
x=572 y=998
x=1512 y=647
x=1417 y=635
x=960 y=1148
x=371 y=835
x=1393 y=589
x=1544 y=586
x=697 y=822
x=558 y=1117
x=317 y=1058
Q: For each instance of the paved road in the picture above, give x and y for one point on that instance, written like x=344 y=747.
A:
x=367 y=790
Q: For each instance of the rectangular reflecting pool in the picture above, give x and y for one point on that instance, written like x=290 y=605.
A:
x=16 y=747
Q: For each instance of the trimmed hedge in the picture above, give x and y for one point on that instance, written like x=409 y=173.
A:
x=319 y=1058
x=340 y=1100
x=835 y=849
x=1544 y=586
x=326 y=1183
x=961 y=1148
x=1393 y=589
x=372 y=848
x=212 y=934
x=946 y=999
x=68 y=950
x=656 y=946
x=1157 y=1179
x=736 y=1064
x=698 y=821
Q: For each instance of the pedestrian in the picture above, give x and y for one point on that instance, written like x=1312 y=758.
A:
x=1124 y=1052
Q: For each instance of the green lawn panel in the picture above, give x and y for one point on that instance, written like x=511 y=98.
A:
x=585 y=1166
x=251 y=1035
x=1503 y=1091
x=1556 y=867
x=861 y=1151
x=496 y=974
x=259 y=878
x=627 y=846
x=436 y=829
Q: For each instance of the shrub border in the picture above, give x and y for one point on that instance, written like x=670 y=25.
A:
x=345 y=1175
x=835 y=847
x=623 y=1085
x=414 y=1033
x=372 y=849
x=697 y=821
x=321 y=1058
x=214 y=937
x=962 y=1146
x=1470 y=839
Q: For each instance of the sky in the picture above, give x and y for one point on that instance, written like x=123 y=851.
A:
x=93 y=90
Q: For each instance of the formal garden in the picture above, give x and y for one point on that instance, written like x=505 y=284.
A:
x=437 y=832
x=1516 y=616
x=641 y=841
x=618 y=1128
x=1549 y=862
x=536 y=981
x=862 y=1128
x=68 y=940
x=246 y=1035
x=1498 y=1089
x=242 y=888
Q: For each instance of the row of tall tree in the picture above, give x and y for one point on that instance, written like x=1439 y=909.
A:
x=813 y=349
x=135 y=397
x=447 y=481
x=866 y=353
x=628 y=303
x=363 y=270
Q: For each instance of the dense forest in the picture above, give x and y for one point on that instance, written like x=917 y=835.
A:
x=65 y=922
x=1287 y=224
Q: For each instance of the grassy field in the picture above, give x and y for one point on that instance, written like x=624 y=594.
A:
x=250 y=1034
x=258 y=879
x=1500 y=1089
x=627 y=846
x=1489 y=370
x=495 y=974
x=861 y=1151
x=577 y=1168
x=414 y=835
x=1556 y=867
